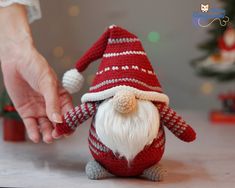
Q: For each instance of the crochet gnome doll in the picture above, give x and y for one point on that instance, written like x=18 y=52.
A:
x=227 y=45
x=128 y=107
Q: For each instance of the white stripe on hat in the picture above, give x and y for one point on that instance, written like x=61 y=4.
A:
x=122 y=40
x=106 y=82
x=107 y=55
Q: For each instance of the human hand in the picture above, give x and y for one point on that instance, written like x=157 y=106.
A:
x=36 y=94
x=29 y=80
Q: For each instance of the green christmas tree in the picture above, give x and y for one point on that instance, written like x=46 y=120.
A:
x=7 y=109
x=211 y=49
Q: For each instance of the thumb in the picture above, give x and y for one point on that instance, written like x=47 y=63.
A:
x=48 y=87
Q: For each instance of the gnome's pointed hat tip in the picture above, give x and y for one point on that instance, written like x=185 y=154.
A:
x=73 y=79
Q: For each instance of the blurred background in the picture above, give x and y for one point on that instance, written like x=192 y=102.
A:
x=65 y=32
x=69 y=27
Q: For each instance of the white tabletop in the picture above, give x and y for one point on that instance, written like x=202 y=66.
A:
x=208 y=162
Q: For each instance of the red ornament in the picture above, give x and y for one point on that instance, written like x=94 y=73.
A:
x=222 y=118
x=9 y=108
x=226 y=115
x=13 y=130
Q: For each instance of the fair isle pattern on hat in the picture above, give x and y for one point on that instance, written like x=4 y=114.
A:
x=124 y=65
x=124 y=53
x=122 y=40
x=116 y=68
x=155 y=88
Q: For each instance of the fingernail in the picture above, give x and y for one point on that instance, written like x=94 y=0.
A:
x=34 y=140
x=48 y=141
x=55 y=135
x=57 y=118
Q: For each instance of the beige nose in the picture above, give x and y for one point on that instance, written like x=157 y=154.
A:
x=124 y=101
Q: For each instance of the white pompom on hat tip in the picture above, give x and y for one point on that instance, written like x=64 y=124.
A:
x=72 y=81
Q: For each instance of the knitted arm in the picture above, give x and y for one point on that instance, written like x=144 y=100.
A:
x=75 y=117
x=176 y=124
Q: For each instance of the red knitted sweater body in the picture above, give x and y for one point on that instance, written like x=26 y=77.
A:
x=119 y=166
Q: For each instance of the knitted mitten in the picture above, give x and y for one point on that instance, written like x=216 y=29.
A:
x=175 y=123
x=76 y=116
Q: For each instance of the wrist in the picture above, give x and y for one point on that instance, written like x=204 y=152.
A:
x=14 y=51
x=15 y=35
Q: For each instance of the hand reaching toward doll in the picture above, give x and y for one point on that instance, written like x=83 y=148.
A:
x=30 y=81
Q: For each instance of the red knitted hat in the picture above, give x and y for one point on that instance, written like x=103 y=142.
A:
x=124 y=66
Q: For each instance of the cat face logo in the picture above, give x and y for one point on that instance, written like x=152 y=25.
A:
x=204 y=8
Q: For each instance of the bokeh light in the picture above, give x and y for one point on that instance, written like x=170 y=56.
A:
x=67 y=62
x=207 y=88
x=58 y=51
x=90 y=79
x=153 y=37
x=74 y=10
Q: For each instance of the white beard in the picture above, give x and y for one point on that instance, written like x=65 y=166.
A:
x=127 y=134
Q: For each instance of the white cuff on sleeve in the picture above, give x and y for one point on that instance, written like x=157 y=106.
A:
x=34 y=11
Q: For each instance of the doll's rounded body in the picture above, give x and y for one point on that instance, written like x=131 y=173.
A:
x=119 y=166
